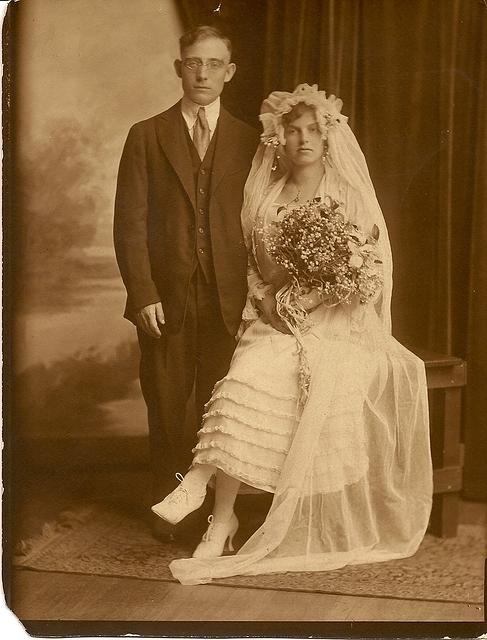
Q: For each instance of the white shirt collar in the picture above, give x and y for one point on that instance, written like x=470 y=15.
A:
x=189 y=109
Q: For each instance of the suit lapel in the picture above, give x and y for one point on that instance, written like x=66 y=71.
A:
x=224 y=149
x=171 y=136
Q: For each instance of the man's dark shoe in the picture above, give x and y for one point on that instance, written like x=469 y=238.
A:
x=163 y=531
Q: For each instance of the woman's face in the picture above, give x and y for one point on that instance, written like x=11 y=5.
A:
x=304 y=144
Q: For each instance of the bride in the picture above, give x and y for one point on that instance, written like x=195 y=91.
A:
x=351 y=469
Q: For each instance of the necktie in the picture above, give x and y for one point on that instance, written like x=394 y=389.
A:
x=201 y=133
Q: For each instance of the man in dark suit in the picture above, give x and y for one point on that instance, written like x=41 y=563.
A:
x=180 y=249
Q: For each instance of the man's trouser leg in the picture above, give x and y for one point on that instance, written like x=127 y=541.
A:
x=215 y=346
x=167 y=369
x=197 y=356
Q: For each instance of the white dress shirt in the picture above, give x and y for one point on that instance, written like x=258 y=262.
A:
x=189 y=109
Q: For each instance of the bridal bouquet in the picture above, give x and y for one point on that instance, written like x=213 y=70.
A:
x=324 y=253
x=328 y=259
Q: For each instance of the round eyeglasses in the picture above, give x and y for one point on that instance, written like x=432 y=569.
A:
x=212 y=65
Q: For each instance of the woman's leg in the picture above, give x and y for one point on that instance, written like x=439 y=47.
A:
x=223 y=522
x=225 y=494
x=199 y=475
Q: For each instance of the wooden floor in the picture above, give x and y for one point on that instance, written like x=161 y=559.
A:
x=36 y=595
x=55 y=596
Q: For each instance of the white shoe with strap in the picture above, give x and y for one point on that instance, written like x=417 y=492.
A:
x=213 y=542
x=181 y=502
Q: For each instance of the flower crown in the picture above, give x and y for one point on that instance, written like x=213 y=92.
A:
x=280 y=102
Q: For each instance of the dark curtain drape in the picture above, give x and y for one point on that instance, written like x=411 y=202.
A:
x=412 y=76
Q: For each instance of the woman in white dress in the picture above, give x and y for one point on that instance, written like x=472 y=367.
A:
x=351 y=469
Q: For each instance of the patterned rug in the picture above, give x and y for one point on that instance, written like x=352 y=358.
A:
x=101 y=540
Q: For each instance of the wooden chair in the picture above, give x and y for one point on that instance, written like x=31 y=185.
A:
x=446 y=376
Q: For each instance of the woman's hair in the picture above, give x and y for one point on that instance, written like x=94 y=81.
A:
x=296 y=112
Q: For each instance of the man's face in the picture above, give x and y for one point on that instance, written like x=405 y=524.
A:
x=203 y=84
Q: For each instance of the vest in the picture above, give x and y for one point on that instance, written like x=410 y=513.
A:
x=202 y=170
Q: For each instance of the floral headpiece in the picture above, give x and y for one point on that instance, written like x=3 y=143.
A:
x=280 y=102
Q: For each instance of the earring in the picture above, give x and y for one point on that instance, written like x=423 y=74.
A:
x=275 y=164
x=325 y=155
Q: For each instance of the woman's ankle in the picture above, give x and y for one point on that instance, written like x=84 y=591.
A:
x=199 y=475
x=222 y=517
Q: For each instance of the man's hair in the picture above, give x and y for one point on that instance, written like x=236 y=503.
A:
x=203 y=32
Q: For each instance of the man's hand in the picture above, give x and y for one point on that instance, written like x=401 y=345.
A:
x=267 y=307
x=149 y=318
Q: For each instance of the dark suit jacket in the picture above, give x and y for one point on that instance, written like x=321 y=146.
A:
x=154 y=226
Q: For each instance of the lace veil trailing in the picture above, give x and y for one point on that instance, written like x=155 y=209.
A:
x=367 y=396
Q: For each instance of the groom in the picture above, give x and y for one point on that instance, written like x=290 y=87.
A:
x=180 y=249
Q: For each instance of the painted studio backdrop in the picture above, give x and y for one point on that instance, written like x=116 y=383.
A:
x=412 y=76
x=86 y=71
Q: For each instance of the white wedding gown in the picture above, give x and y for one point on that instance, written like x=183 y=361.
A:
x=351 y=472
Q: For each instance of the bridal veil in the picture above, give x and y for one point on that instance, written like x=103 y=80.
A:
x=367 y=402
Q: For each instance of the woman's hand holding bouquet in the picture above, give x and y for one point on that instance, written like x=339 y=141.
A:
x=309 y=298
x=268 y=310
